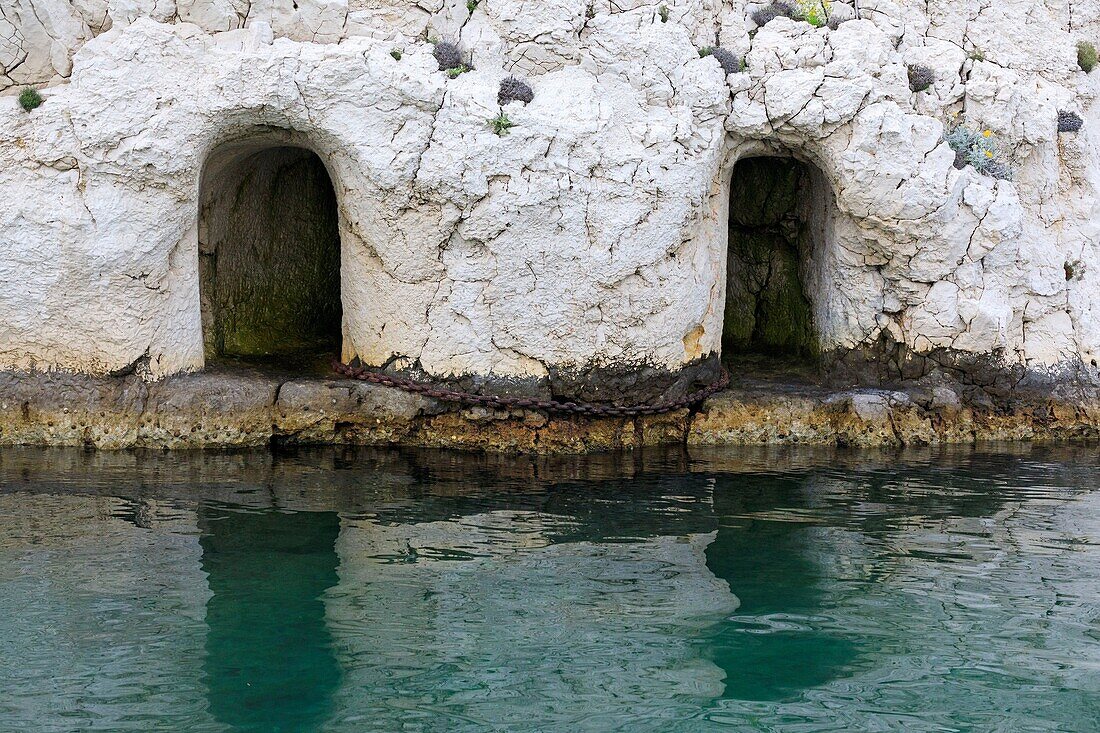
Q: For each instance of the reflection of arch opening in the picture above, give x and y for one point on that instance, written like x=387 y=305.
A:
x=779 y=219
x=269 y=246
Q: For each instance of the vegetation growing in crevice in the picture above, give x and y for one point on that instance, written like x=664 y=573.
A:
x=726 y=59
x=921 y=78
x=396 y=53
x=471 y=6
x=30 y=99
x=1086 y=56
x=501 y=124
x=1069 y=121
x=455 y=71
x=778 y=9
x=514 y=90
x=977 y=147
x=447 y=55
x=662 y=12
x=814 y=12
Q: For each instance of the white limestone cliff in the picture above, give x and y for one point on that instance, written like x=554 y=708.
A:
x=593 y=234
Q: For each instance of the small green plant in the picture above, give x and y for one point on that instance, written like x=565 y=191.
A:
x=455 y=71
x=30 y=99
x=501 y=124
x=1086 y=56
x=396 y=53
x=471 y=5
x=705 y=51
x=977 y=55
x=977 y=147
x=663 y=13
x=590 y=12
x=814 y=12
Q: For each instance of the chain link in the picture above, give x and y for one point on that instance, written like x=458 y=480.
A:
x=529 y=403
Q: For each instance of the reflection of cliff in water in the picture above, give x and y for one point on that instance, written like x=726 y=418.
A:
x=771 y=650
x=269 y=662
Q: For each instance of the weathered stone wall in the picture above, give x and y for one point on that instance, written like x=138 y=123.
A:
x=590 y=239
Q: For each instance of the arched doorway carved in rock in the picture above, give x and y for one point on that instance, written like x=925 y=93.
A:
x=780 y=215
x=269 y=253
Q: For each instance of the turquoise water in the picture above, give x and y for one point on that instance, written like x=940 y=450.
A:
x=402 y=591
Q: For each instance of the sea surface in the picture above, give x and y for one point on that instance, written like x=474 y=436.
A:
x=368 y=590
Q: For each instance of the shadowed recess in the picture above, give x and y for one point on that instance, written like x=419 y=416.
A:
x=269 y=247
x=775 y=217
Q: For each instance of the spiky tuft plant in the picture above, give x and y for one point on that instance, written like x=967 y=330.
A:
x=397 y=54
x=921 y=77
x=1086 y=56
x=727 y=60
x=501 y=124
x=30 y=99
x=447 y=55
x=1069 y=121
x=778 y=9
x=514 y=90
x=471 y=5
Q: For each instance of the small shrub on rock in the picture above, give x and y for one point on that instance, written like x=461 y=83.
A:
x=663 y=13
x=726 y=59
x=514 y=90
x=30 y=99
x=501 y=124
x=1069 y=121
x=455 y=71
x=396 y=53
x=1086 y=56
x=921 y=77
x=447 y=56
x=977 y=147
x=471 y=6
x=779 y=9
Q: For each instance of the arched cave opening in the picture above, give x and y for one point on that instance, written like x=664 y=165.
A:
x=269 y=254
x=779 y=218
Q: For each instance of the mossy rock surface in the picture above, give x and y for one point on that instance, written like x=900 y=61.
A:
x=767 y=311
x=271 y=275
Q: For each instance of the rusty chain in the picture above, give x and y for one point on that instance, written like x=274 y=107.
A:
x=529 y=403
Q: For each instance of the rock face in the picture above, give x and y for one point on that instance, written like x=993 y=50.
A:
x=582 y=237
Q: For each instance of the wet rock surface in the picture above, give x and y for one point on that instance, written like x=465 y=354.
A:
x=239 y=407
